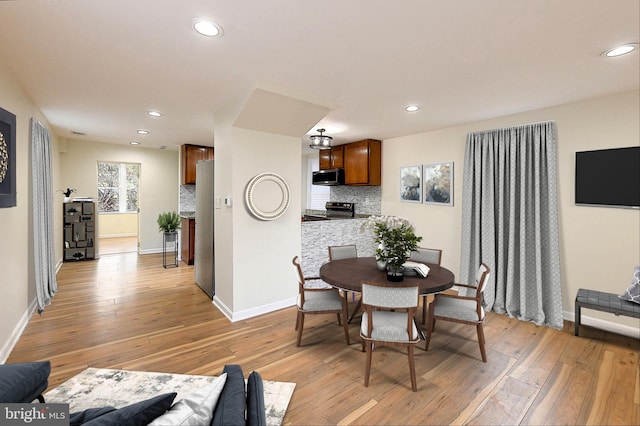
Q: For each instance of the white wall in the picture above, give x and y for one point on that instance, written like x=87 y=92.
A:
x=253 y=256
x=112 y=225
x=599 y=246
x=159 y=182
x=17 y=285
x=263 y=249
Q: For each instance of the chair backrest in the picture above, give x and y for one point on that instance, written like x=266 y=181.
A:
x=482 y=276
x=343 y=252
x=392 y=296
x=426 y=255
x=297 y=269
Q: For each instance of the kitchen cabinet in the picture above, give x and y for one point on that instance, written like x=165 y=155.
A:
x=363 y=162
x=190 y=155
x=332 y=158
x=188 y=227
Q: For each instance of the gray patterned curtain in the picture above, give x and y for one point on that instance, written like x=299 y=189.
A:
x=44 y=254
x=510 y=221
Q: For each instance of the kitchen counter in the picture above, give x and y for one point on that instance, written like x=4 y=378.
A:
x=318 y=216
x=188 y=214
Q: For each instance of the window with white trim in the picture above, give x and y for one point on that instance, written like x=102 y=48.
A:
x=118 y=187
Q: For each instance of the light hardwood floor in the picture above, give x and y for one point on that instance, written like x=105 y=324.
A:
x=128 y=312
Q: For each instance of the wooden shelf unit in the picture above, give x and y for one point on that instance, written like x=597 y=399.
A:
x=79 y=230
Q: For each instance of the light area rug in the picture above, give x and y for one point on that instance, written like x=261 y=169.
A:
x=99 y=387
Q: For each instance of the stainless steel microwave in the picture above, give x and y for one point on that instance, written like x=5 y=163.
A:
x=329 y=177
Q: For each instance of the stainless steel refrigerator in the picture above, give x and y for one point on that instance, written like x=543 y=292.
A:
x=204 y=260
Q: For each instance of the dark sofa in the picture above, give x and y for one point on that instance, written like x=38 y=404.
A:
x=233 y=403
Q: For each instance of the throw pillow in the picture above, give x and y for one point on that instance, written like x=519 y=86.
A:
x=23 y=382
x=232 y=402
x=632 y=293
x=256 y=412
x=81 y=417
x=138 y=414
x=196 y=409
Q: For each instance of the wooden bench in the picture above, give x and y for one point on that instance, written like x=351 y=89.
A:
x=606 y=302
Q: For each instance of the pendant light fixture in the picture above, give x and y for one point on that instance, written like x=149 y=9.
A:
x=321 y=141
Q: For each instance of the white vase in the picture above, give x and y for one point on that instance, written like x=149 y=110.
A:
x=381 y=264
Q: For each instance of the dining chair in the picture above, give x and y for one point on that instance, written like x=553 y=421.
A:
x=461 y=309
x=388 y=320
x=346 y=251
x=317 y=300
x=426 y=255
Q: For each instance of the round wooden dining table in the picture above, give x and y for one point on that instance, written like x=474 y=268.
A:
x=348 y=274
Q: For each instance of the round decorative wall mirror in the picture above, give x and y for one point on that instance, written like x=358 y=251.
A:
x=267 y=196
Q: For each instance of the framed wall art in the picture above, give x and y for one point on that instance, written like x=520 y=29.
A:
x=411 y=184
x=438 y=183
x=7 y=159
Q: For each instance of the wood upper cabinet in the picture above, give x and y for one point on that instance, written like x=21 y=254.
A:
x=190 y=155
x=362 y=162
x=332 y=158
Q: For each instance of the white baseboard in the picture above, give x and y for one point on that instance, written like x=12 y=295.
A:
x=150 y=251
x=613 y=327
x=252 y=312
x=5 y=351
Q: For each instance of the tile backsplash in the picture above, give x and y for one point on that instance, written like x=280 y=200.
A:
x=187 y=198
x=367 y=198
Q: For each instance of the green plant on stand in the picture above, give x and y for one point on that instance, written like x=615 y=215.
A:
x=169 y=223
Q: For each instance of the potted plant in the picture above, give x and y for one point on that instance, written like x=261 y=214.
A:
x=396 y=240
x=169 y=223
x=67 y=194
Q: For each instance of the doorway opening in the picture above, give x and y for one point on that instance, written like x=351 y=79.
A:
x=118 y=207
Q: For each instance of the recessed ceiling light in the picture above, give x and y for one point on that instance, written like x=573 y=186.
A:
x=412 y=108
x=154 y=113
x=134 y=143
x=207 y=28
x=143 y=132
x=621 y=50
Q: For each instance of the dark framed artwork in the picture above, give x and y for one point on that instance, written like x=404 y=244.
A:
x=7 y=159
x=411 y=184
x=438 y=183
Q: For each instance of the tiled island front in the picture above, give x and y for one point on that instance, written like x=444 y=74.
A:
x=318 y=235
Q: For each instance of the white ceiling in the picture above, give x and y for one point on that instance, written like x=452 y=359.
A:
x=96 y=66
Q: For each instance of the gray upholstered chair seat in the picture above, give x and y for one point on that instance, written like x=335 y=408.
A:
x=388 y=319
x=320 y=301
x=461 y=309
x=464 y=310
x=317 y=297
x=389 y=326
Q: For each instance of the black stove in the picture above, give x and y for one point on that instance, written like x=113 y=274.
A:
x=340 y=210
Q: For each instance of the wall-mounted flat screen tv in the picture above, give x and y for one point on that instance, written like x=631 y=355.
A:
x=608 y=177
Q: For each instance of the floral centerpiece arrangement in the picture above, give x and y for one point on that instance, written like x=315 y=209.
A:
x=396 y=240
